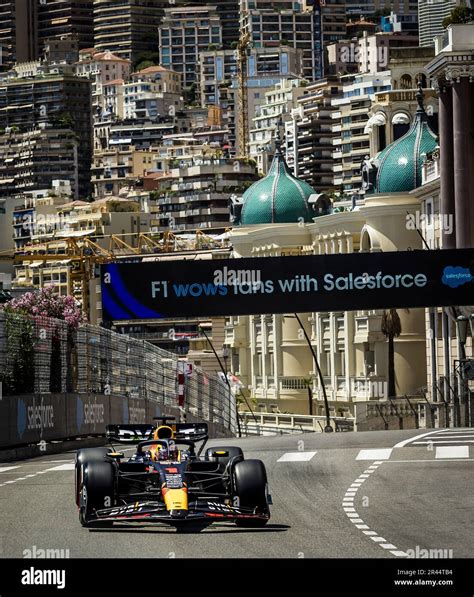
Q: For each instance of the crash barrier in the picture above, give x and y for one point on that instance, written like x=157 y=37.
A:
x=275 y=423
x=33 y=418
x=56 y=381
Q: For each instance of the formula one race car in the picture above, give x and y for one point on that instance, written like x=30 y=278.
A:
x=168 y=481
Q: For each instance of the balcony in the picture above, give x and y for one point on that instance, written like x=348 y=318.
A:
x=293 y=383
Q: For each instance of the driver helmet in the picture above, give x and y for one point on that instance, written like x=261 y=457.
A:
x=173 y=450
x=158 y=452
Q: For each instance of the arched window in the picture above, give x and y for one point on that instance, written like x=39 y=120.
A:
x=365 y=241
x=421 y=77
x=406 y=82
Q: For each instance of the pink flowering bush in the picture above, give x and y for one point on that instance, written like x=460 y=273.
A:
x=46 y=303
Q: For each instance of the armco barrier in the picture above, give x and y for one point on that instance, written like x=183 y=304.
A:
x=31 y=418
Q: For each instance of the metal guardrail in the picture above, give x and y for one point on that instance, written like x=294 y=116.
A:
x=278 y=423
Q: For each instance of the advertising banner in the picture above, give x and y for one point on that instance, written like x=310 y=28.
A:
x=347 y=282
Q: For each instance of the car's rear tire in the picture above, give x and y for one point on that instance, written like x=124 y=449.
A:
x=250 y=486
x=89 y=455
x=97 y=489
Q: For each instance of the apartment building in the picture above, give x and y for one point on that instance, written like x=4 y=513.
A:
x=152 y=92
x=184 y=33
x=369 y=8
x=46 y=121
x=431 y=14
x=101 y=68
x=309 y=134
x=286 y=22
x=77 y=220
x=270 y=116
x=265 y=67
x=115 y=168
x=58 y=18
x=33 y=160
x=197 y=193
x=350 y=116
x=27 y=25
x=127 y=28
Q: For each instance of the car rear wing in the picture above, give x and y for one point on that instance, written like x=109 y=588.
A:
x=190 y=431
x=129 y=433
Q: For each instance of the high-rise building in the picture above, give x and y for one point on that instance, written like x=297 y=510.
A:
x=371 y=8
x=185 y=32
x=128 y=28
x=269 y=118
x=293 y=23
x=49 y=102
x=265 y=68
x=309 y=134
x=57 y=18
x=431 y=14
x=350 y=117
x=27 y=25
x=18 y=32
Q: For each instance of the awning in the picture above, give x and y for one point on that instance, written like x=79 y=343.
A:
x=400 y=118
x=378 y=119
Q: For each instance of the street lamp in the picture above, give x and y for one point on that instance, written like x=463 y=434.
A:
x=327 y=428
x=224 y=371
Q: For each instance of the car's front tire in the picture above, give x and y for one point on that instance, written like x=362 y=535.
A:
x=250 y=486
x=97 y=490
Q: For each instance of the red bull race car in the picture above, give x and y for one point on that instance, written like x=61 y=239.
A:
x=169 y=479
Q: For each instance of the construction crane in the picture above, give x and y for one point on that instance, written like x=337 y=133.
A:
x=82 y=255
x=242 y=103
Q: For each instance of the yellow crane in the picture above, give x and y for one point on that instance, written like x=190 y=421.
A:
x=242 y=103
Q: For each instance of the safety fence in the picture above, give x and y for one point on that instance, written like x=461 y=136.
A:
x=42 y=356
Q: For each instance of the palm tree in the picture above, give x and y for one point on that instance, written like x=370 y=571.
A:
x=391 y=328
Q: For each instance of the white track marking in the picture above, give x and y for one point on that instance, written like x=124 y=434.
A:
x=452 y=452
x=432 y=461
x=445 y=441
x=70 y=466
x=374 y=454
x=296 y=457
x=4 y=469
x=403 y=443
x=350 y=511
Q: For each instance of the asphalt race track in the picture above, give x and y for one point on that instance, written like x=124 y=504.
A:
x=339 y=495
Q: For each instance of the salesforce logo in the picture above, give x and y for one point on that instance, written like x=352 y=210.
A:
x=89 y=413
x=21 y=417
x=33 y=417
x=456 y=276
x=79 y=413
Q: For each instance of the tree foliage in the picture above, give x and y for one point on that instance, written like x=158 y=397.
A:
x=459 y=15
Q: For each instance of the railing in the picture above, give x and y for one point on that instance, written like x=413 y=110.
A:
x=278 y=423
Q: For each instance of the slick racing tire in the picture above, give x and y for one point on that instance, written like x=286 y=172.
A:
x=89 y=455
x=97 y=489
x=250 y=486
x=223 y=460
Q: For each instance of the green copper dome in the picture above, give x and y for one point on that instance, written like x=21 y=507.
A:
x=399 y=164
x=278 y=198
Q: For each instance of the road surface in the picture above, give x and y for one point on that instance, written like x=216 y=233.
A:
x=384 y=494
